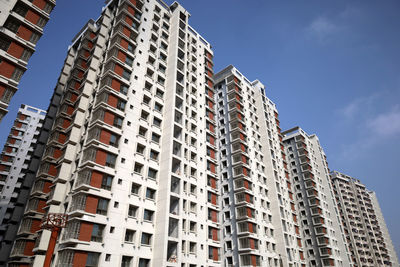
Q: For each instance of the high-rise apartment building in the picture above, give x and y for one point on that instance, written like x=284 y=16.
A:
x=131 y=154
x=21 y=24
x=319 y=220
x=365 y=228
x=260 y=225
x=16 y=155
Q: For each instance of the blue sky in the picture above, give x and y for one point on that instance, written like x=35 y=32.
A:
x=332 y=67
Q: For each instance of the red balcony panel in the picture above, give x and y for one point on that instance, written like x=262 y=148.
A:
x=112 y=101
x=96 y=179
x=46 y=187
x=133 y=2
x=24 y=33
x=2 y=90
x=301 y=255
x=92 y=35
x=3 y=167
x=89 y=44
x=83 y=65
x=124 y=43
x=295 y=218
x=209 y=73
x=254 y=260
x=214 y=216
x=248 y=198
x=29 y=245
x=12 y=141
x=297 y=230
x=128 y=20
x=289 y=186
x=7 y=69
x=292 y=206
x=291 y=195
x=131 y=10
x=209 y=56
x=91 y=204
x=126 y=32
x=32 y=16
x=212 y=153
x=210 y=104
x=52 y=170
x=244 y=159
x=118 y=70
x=210 y=83
x=39 y=3
x=40 y=206
x=80 y=259
x=212 y=167
x=210 y=93
x=211 y=139
x=240 y=126
x=5 y=158
x=15 y=50
x=105 y=137
x=85 y=232
x=101 y=157
x=213 y=182
x=121 y=56
x=116 y=85
x=236 y=79
x=215 y=254
x=18 y=124
x=242 y=137
x=252 y=243
x=22 y=116
x=213 y=199
x=109 y=118
x=35 y=225
x=209 y=64
x=214 y=233
x=245 y=171
x=8 y=149
x=246 y=184
x=299 y=242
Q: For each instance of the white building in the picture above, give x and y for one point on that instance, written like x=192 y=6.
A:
x=260 y=223
x=131 y=154
x=365 y=228
x=16 y=154
x=21 y=24
x=320 y=224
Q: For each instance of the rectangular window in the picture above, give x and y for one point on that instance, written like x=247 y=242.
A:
x=106 y=182
x=152 y=173
x=146 y=239
x=135 y=189
x=12 y=25
x=148 y=215
x=132 y=211
x=92 y=259
x=129 y=235
x=150 y=193
x=102 y=206
x=4 y=43
x=144 y=263
x=157 y=122
x=97 y=233
x=126 y=261
x=155 y=138
x=110 y=161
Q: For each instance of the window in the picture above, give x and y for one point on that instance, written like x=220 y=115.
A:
x=142 y=131
x=129 y=235
x=12 y=25
x=154 y=154
x=117 y=122
x=102 y=206
x=21 y=9
x=155 y=138
x=121 y=105
x=4 y=44
x=140 y=149
x=146 y=100
x=157 y=122
x=150 y=193
x=152 y=173
x=144 y=115
x=126 y=74
x=148 y=215
x=97 y=233
x=129 y=61
x=146 y=239
x=106 y=182
x=34 y=38
x=159 y=93
x=126 y=261
x=144 y=263
x=158 y=107
x=132 y=211
x=138 y=168
x=135 y=189
x=113 y=140
x=110 y=160
x=92 y=259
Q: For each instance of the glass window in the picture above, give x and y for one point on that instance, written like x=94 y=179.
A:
x=148 y=215
x=106 y=183
x=146 y=239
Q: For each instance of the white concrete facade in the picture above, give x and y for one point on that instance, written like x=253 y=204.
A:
x=364 y=226
x=320 y=224
x=21 y=24
x=15 y=155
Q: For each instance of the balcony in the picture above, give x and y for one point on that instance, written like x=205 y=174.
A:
x=172 y=252
x=173 y=228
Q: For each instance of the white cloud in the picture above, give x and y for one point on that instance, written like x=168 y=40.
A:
x=361 y=104
x=322 y=28
x=386 y=124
